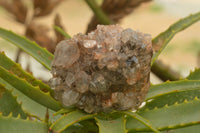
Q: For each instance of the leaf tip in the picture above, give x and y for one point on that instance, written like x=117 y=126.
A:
x=18 y=116
x=176 y=103
x=10 y=114
x=185 y=101
x=196 y=98
x=155 y=108
x=166 y=105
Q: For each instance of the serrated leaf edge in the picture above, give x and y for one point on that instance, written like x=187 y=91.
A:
x=19 y=118
x=20 y=104
x=36 y=88
x=172 y=91
x=39 y=82
x=33 y=42
x=15 y=96
x=88 y=117
x=176 y=103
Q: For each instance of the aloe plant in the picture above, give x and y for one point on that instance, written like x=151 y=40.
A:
x=28 y=105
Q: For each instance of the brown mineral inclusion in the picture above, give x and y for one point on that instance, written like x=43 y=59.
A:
x=106 y=70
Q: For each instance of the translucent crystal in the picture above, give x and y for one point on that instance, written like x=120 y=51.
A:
x=89 y=101
x=98 y=84
x=58 y=91
x=106 y=70
x=128 y=35
x=55 y=82
x=126 y=102
x=70 y=97
x=70 y=78
x=67 y=54
x=82 y=82
x=89 y=43
x=133 y=76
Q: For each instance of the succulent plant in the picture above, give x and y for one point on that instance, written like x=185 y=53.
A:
x=99 y=81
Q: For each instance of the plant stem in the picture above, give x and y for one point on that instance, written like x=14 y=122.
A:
x=164 y=72
x=67 y=36
x=101 y=16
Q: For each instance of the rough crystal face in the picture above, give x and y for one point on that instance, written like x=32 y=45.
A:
x=106 y=70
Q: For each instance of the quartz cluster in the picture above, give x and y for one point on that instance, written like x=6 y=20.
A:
x=106 y=70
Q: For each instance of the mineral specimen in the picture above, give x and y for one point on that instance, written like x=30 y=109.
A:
x=106 y=70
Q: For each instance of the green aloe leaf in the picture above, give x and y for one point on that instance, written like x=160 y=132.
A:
x=178 y=96
x=172 y=92
x=112 y=126
x=33 y=92
x=77 y=129
x=87 y=126
x=2 y=90
x=142 y=120
x=16 y=125
x=161 y=41
x=37 y=52
x=11 y=66
x=194 y=75
x=64 y=111
x=9 y=104
x=168 y=117
x=171 y=87
x=70 y=119
x=189 y=129
x=28 y=105
x=62 y=32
